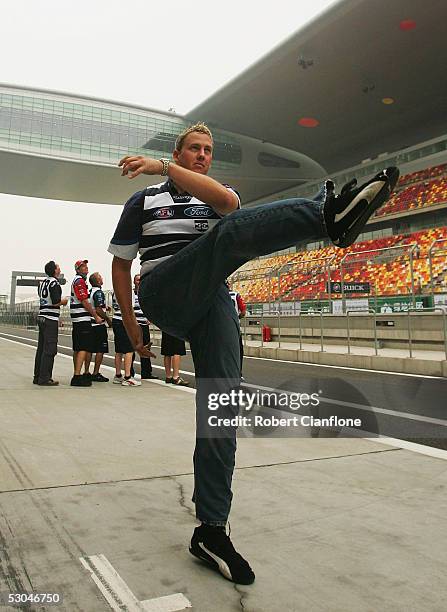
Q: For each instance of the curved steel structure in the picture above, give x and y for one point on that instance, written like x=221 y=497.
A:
x=60 y=146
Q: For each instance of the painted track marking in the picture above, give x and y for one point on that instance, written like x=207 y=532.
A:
x=118 y=595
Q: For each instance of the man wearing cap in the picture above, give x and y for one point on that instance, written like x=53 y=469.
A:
x=81 y=312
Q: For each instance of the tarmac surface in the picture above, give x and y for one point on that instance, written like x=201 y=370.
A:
x=95 y=490
x=410 y=407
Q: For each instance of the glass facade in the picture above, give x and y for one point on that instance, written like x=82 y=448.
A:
x=268 y=160
x=90 y=130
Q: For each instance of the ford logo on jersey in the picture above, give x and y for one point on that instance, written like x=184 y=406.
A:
x=199 y=211
x=164 y=213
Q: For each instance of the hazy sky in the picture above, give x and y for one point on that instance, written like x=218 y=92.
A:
x=155 y=54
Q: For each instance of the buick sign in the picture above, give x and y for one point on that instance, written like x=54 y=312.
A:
x=199 y=211
x=336 y=287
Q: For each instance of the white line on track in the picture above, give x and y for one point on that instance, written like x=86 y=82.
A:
x=334 y=367
x=303 y=363
x=69 y=348
x=396 y=413
x=430 y=451
x=120 y=597
x=325 y=400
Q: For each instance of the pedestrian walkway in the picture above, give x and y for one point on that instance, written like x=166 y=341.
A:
x=95 y=501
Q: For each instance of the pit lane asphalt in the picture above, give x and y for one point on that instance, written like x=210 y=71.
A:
x=399 y=406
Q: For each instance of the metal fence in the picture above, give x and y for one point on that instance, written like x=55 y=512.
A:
x=252 y=327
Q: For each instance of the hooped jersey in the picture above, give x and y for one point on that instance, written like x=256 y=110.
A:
x=117 y=316
x=97 y=298
x=158 y=222
x=50 y=294
x=139 y=314
x=79 y=292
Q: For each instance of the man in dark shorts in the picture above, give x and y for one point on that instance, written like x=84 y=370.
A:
x=182 y=291
x=172 y=349
x=123 y=349
x=81 y=312
x=146 y=365
x=99 y=344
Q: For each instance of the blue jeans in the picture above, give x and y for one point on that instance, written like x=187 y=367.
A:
x=186 y=297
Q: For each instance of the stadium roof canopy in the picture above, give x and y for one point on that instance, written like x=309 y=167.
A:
x=370 y=72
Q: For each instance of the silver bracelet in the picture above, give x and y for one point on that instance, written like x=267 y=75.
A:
x=165 y=163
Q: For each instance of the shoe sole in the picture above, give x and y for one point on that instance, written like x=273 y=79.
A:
x=184 y=383
x=381 y=197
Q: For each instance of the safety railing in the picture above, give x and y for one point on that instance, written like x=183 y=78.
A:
x=300 y=325
x=256 y=322
x=418 y=311
x=406 y=339
x=348 y=329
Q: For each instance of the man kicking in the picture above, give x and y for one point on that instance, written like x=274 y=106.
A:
x=191 y=235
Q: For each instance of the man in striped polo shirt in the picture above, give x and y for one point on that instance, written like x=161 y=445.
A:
x=51 y=300
x=81 y=312
x=182 y=291
x=99 y=339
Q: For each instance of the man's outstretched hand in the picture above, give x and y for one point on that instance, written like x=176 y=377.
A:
x=136 y=338
x=147 y=348
x=132 y=166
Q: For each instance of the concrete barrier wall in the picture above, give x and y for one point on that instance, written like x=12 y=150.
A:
x=426 y=330
x=405 y=365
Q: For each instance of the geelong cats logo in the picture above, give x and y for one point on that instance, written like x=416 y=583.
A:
x=164 y=213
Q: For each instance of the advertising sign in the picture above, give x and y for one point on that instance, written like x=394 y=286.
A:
x=336 y=287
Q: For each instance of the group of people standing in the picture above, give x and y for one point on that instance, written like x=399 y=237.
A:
x=90 y=318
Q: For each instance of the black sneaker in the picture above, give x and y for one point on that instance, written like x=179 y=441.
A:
x=149 y=377
x=211 y=544
x=346 y=214
x=99 y=378
x=79 y=380
x=87 y=376
x=49 y=383
x=179 y=382
x=169 y=380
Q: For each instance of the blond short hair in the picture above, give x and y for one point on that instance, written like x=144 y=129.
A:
x=200 y=127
